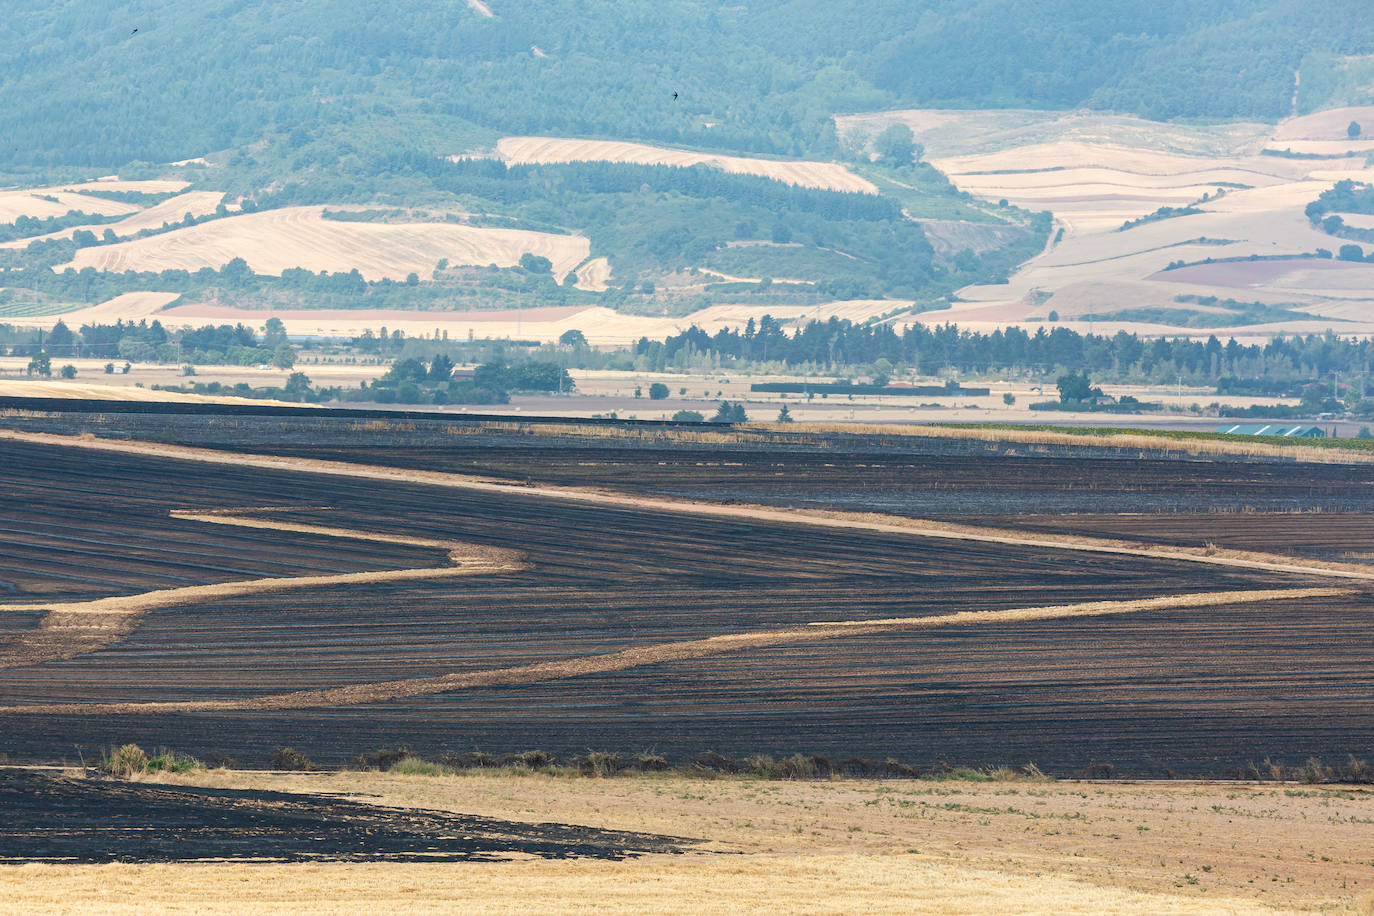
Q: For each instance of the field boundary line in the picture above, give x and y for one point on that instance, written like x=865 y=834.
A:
x=71 y=628
x=665 y=653
x=887 y=524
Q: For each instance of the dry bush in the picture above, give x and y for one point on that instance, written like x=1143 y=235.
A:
x=1314 y=772
x=1357 y=771
x=288 y=758
x=532 y=760
x=383 y=759
x=649 y=762
x=125 y=761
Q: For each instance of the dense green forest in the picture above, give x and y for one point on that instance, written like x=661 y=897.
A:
x=106 y=84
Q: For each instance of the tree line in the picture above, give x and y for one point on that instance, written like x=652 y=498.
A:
x=931 y=349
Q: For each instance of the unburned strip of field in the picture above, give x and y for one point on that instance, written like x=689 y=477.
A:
x=824 y=519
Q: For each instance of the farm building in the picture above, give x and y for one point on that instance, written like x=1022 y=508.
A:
x=1273 y=429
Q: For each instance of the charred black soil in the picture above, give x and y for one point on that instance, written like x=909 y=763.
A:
x=60 y=819
x=1193 y=692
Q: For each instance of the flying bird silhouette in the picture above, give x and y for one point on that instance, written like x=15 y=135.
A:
x=134 y=32
x=674 y=96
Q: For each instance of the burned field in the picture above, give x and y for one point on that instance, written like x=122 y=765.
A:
x=50 y=818
x=600 y=636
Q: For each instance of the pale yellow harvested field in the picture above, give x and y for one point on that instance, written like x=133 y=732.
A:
x=1326 y=125
x=845 y=846
x=1077 y=154
x=33 y=201
x=27 y=388
x=1096 y=172
x=173 y=210
x=601 y=326
x=595 y=275
x=277 y=240
x=1358 y=220
x=126 y=306
x=1355 y=149
x=827 y=175
x=956 y=132
x=840 y=883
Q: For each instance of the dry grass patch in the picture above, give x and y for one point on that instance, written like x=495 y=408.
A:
x=838 y=846
x=653 y=884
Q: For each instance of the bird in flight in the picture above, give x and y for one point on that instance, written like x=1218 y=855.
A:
x=134 y=32
x=674 y=96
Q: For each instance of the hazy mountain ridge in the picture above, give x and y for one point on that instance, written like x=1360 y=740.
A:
x=78 y=86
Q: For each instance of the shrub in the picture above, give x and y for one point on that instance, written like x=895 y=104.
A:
x=650 y=762
x=288 y=758
x=1314 y=772
x=126 y=761
x=658 y=391
x=534 y=760
x=383 y=759
x=600 y=763
x=688 y=416
x=168 y=762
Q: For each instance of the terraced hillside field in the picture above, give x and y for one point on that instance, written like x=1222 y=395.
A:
x=228 y=604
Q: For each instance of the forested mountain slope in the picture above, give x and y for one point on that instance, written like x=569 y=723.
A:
x=156 y=80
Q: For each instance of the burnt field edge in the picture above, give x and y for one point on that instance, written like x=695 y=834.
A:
x=63 y=819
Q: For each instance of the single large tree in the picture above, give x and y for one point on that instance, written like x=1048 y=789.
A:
x=61 y=338
x=441 y=369
x=285 y=356
x=897 y=145
x=1075 y=388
